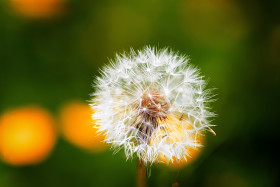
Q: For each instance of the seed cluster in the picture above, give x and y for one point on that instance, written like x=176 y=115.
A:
x=153 y=104
x=152 y=109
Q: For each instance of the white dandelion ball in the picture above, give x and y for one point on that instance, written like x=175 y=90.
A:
x=153 y=104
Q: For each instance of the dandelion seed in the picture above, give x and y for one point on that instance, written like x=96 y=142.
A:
x=153 y=104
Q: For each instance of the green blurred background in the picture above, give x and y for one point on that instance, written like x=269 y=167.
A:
x=52 y=59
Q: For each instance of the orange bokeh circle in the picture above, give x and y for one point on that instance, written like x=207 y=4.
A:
x=37 y=8
x=193 y=153
x=175 y=132
x=78 y=128
x=27 y=136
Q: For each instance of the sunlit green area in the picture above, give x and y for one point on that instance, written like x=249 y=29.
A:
x=51 y=52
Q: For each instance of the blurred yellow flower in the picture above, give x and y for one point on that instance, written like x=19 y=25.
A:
x=37 y=8
x=27 y=135
x=78 y=128
x=175 y=129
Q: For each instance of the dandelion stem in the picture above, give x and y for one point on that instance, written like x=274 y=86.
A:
x=175 y=184
x=141 y=175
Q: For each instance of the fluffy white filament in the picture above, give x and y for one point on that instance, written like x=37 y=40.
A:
x=174 y=92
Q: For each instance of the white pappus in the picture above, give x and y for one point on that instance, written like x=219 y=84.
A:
x=153 y=104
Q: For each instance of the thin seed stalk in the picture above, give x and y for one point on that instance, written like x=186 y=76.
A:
x=175 y=184
x=141 y=174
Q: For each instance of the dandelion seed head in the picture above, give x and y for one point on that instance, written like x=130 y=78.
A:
x=153 y=104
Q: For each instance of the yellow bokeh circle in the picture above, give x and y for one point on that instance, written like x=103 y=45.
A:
x=27 y=135
x=78 y=128
x=37 y=8
x=175 y=132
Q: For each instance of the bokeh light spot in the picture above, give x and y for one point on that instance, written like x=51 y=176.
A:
x=37 y=8
x=27 y=136
x=78 y=128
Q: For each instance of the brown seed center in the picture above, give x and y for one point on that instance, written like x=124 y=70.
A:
x=152 y=109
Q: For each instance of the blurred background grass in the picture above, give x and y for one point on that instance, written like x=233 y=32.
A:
x=51 y=50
